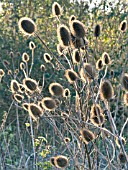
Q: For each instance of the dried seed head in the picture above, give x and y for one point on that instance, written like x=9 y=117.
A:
x=42 y=68
x=14 y=86
x=56 y=89
x=9 y=72
x=25 y=57
x=25 y=106
x=76 y=56
x=11 y=54
x=2 y=73
x=6 y=63
x=32 y=45
x=61 y=161
x=106 y=90
x=18 y=97
x=30 y=85
x=47 y=58
x=66 y=140
x=124 y=81
x=60 y=49
x=126 y=99
x=22 y=66
x=97 y=120
x=71 y=19
x=87 y=135
x=106 y=59
x=48 y=103
x=27 y=26
x=71 y=75
x=123 y=141
x=99 y=64
x=97 y=31
x=16 y=71
x=122 y=158
x=52 y=161
x=123 y=26
x=77 y=29
x=56 y=9
x=96 y=110
x=66 y=93
x=35 y=111
x=64 y=36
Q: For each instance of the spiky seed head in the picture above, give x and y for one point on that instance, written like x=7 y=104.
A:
x=77 y=29
x=52 y=161
x=42 y=68
x=126 y=99
x=25 y=57
x=27 y=26
x=61 y=161
x=123 y=26
x=16 y=71
x=47 y=58
x=56 y=89
x=32 y=45
x=66 y=140
x=2 y=73
x=11 y=54
x=123 y=141
x=9 y=72
x=14 y=86
x=66 y=93
x=60 y=49
x=22 y=66
x=97 y=31
x=6 y=63
x=48 y=103
x=18 y=97
x=64 y=36
x=122 y=158
x=96 y=110
x=30 y=85
x=99 y=64
x=35 y=111
x=25 y=106
x=124 y=81
x=87 y=135
x=106 y=90
x=76 y=56
x=71 y=19
x=106 y=59
x=56 y=9
x=97 y=120
x=71 y=75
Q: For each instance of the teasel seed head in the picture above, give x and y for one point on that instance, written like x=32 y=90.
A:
x=32 y=45
x=126 y=99
x=76 y=56
x=77 y=29
x=71 y=75
x=71 y=19
x=66 y=140
x=9 y=72
x=25 y=106
x=52 y=161
x=123 y=141
x=56 y=9
x=11 y=54
x=64 y=36
x=61 y=161
x=97 y=120
x=96 y=110
x=42 y=68
x=30 y=85
x=18 y=97
x=106 y=90
x=106 y=59
x=56 y=89
x=122 y=158
x=99 y=64
x=2 y=73
x=87 y=135
x=22 y=66
x=97 y=31
x=124 y=81
x=48 y=103
x=25 y=57
x=14 y=86
x=47 y=58
x=27 y=26
x=35 y=111
x=123 y=26
x=66 y=93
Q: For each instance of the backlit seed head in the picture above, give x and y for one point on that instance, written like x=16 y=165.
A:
x=97 y=31
x=25 y=106
x=71 y=75
x=22 y=66
x=52 y=161
x=27 y=26
x=66 y=93
x=123 y=26
x=2 y=73
x=77 y=29
x=32 y=45
x=106 y=90
x=9 y=72
x=123 y=141
x=47 y=58
x=76 y=56
x=124 y=81
x=66 y=140
x=30 y=85
x=60 y=49
x=126 y=99
x=106 y=59
x=25 y=57
x=71 y=19
x=61 y=161
x=48 y=103
x=6 y=63
x=16 y=71
x=99 y=64
x=56 y=89
x=35 y=111
x=87 y=135
x=11 y=54
x=96 y=110
x=42 y=68
x=122 y=158
x=97 y=120
x=18 y=97
x=56 y=9
x=14 y=86
x=64 y=36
